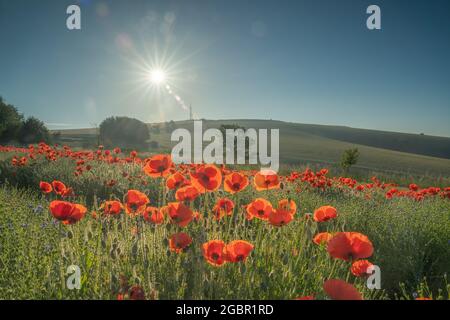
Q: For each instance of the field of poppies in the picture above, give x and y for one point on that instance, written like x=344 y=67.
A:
x=140 y=227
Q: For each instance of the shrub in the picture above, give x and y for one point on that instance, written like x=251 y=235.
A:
x=10 y=121
x=349 y=158
x=33 y=131
x=124 y=132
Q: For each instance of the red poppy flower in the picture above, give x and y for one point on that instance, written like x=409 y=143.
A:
x=322 y=238
x=137 y=293
x=238 y=250
x=260 y=208
x=423 y=298
x=45 y=187
x=350 y=246
x=288 y=205
x=179 y=242
x=359 y=267
x=214 y=252
x=112 y=207
x=187 y=193
x=59 y=187
x=180 y=214
x=176 y=180
x=135 y=202
x=77 y=214
x=280 y=217
x=153 y=215
x=341 y=290
x=207 y=178
x=266 y=180
x=61 y=210
x=68 y=213
x=235 y=182
x=223 y=207
x=158 y=166
x=325 y=213
x=283 y=214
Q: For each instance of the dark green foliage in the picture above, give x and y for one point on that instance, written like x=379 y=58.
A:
x=10 y=121
x=349 y=158
x=124 y=132
x=33 y=131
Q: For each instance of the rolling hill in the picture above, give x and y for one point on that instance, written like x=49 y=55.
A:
x=308 y=143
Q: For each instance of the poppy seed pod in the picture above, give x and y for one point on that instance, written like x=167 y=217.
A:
x=113 y=254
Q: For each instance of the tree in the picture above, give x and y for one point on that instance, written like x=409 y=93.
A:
x=124 y=132
x=349 y=158
x=33 y=131
x=10 y=121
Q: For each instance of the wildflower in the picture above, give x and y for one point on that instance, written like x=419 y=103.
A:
x=223 y=207
x=179 y=242
x=284 y=214
x=359 y=268
x=112 y=207
x=137 y=293
x=235 y=182
x=207 y=178
x=45 y=187
x=341 y=290
x=158 y=166
x=187 y=193
x=59 y=187
x=153 y=215
x=214 y=252
x=238 y=250
x=176 y=180
x=322 y=238
x=266 y=180
x=136 y=202
x=260 y=208
x=180 y=214
x=68 y=213
x=325 y=213
x=350 y=246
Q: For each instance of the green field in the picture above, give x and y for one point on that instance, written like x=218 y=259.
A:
x=384 y=153
x=410 y=240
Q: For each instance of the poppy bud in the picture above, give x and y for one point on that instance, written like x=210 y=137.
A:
x=134 y=250
x=112 y=254
x=70 y=234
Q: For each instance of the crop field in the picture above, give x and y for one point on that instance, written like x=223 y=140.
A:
x=110 y=224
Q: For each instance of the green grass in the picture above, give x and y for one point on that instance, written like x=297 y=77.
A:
x=385 y=152
x=410 y=240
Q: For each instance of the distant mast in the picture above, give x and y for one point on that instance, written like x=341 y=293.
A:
x=190 y=112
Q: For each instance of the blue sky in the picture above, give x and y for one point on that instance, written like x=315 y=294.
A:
x=301 y=61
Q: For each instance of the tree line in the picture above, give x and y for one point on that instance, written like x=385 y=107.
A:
x=15 y=127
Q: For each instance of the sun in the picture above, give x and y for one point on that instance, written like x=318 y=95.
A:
x=157 y=76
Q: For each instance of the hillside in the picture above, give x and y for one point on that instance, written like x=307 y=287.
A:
x=300 y=143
